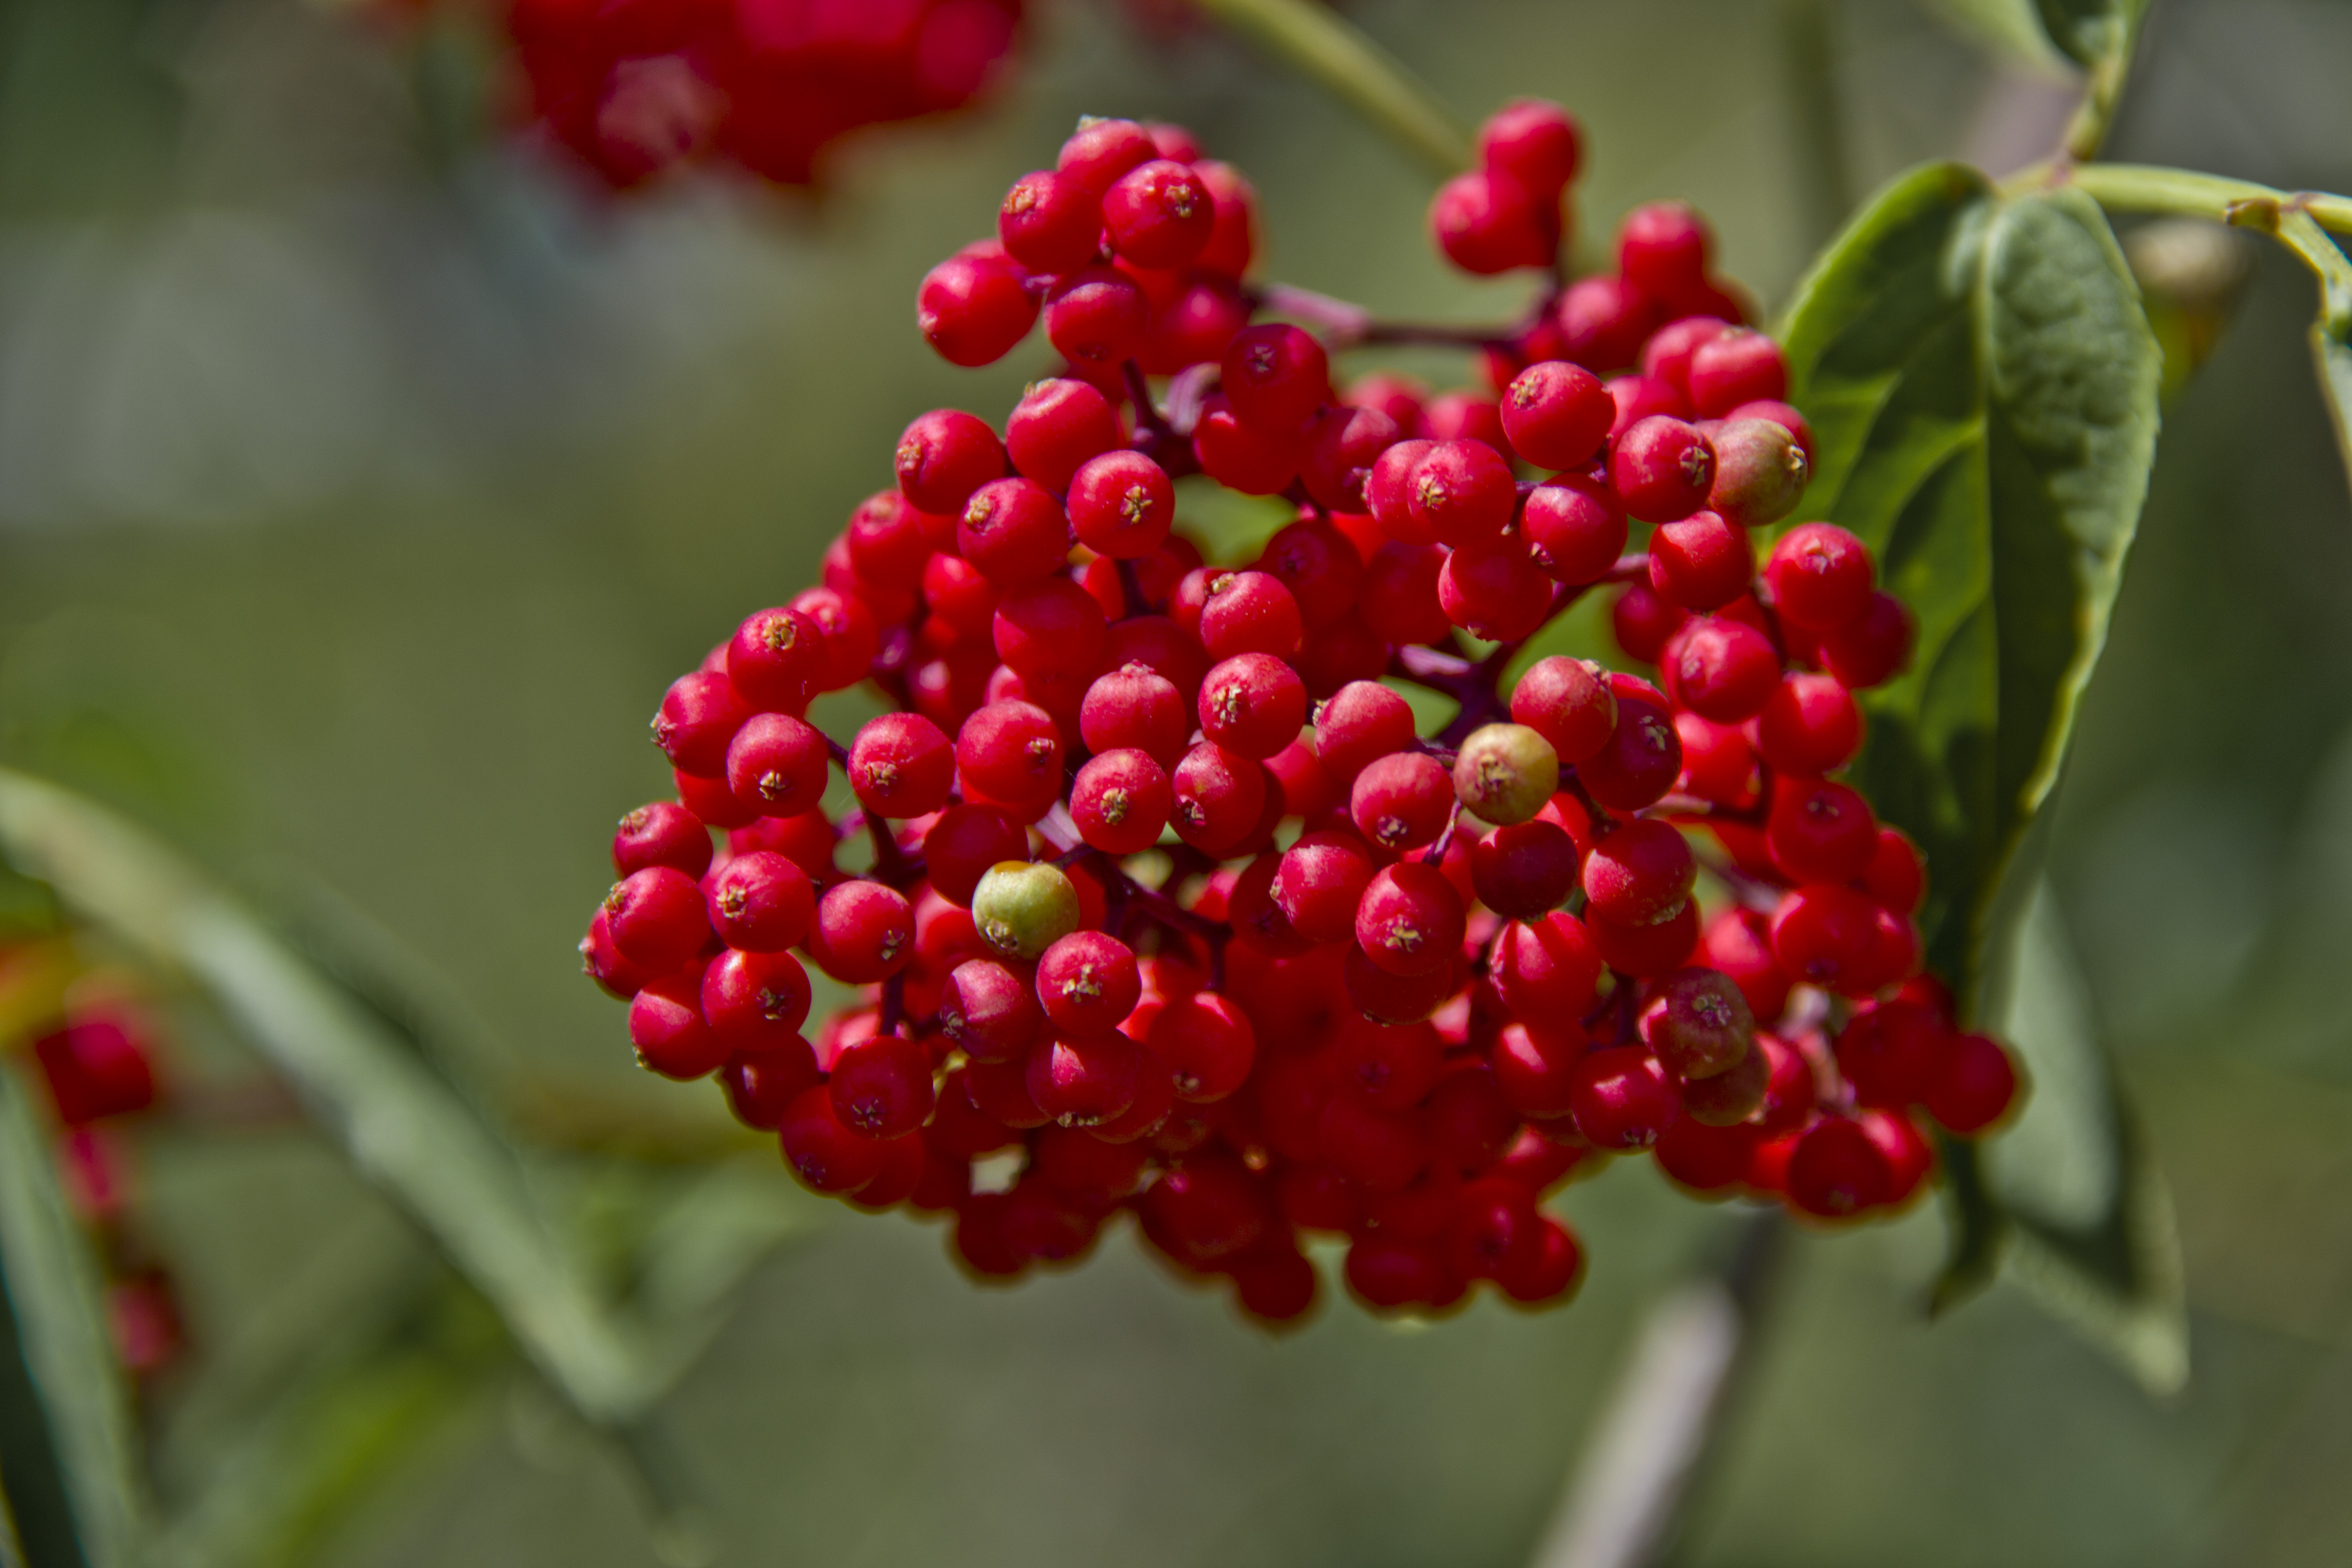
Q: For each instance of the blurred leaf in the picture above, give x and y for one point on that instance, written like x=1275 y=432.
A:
x=67 y=1440
x=1317 y=42
x=2012 y=27
x=1982 y=384
x=2090 y=31
x=282 y=1481
x=2092 y=1217
x=404 y=1129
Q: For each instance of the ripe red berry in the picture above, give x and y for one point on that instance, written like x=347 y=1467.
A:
x=1015 y=531
x=1218 y=798
x=963 y=843
x=1083 y=1081
x=1535 y=143
x=1661 y=468
x=1208 y=1044
x=1252 y=705
x=1121 y=505
x=656 y=919
x=1641 y=874
x=1249 y=612
x=1663 y=250
x=1575 y=529
x=1495 y=590
x=988 y=1009
x=1101 y=150
x=943 y=457
x=756 y=1001
x=1359 y=723
x=864 y=933
x=1621 y=1099
x=1820 y=832
x=1487 y=222
x=1462 y=492
x=1410 y=920
x=1810 y=726
x=1697 y=1024
x=900 y=765
x=1401 y=800
x=1824 y=935
x=1056 y=426
x=1735 y=367
x=1096 y=315
x=1522 y=870
x=760 y=902
x=1724 y=670
x=1011 y=754
x=775 y=659
x=1251 y=459
x=1120 y=801
x=699 y=715
x=1343 y=446
x=1738 y=943
x=760 y=1089
x=1557 y=414
x=972 y=310
x=777 y=766
x=1050 y=223
x=1818 y=576
x=1087 y=982
x=1136 y=707
x=667 y=1025
x=1050 y=627
x=1640 y=761
x=1645 y=951
x=827 y=1156
x=1602 y=322
x=1895 y=877
x=1974 y=1087
x=1869 y=649
x=1320 y=883
x=1701 y=562
x=1158 y=214
x=1387 y=491
x=1546 y=969
x=881 y=1087
x=1835 y=1171
x=1275 y=376
x=661 y=833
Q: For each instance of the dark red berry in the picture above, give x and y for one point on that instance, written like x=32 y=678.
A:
x=1621 y=1099
x=667 y=1025
x=1820 y=832
x=662 y=833
x=1835 y=1171
x=1640 y=761
x=1097 y=315
x=1810 y=726
x=1275 y=376
x=1575 y=529
x=1401 y=800
x=1254 y=460
x=1342 y=448
x=1974 y=1087
x=1871 y=649
x=1410 y=920
x=1818 y=576
x=1495 y=590
x=881 y=1087
x=1521 y=871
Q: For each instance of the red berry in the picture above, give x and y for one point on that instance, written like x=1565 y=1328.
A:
x=965 y=842
x=1462 y=492
x=656 y=919
x=1487 y=222
x=666 y=1025
x=1557 y=414
x=943 y=457
x=760 y=1089
x=775 y=659
x=1011 y=754
x=1087 y=982
x=1081 y=1081
x=756 y=1001
x=1275 y=377
x=1410 y=920
x=1810 y=726
x=827 y=1156
x=1547 y=969
x=974 y=309
x=1895 y=877
x=864 y=933
x=1387 y=491
x=848 y=628
x=1050 y=627
x=1535 y=1069
x=1015 y=531
x=1818 y=576
x=1357 y=725
x=900 y=765
x=1974 y=1087
x=1661 y=468
x=1621 y=1101
x=1207 y=1043
x=760 y=902
x=661 y=834
x=1535 y=143
x=1820 y=832
x=1522 y=870
x=1835 y=1171
x=1218 y=798
x=1575 y=529
x=1641 y=874
x=1254 y=460
x=1697 y=1024
x=1096 y=315
x=1640 y=761
x=1824 y=935
x=1725 y=671
x=1495 y=590
x=1120 y=801
x=1401 y=800
x=1871 y=649
x=988 y=1008
x=1158 y=214
x=1249 y=612
x=1663 y=250
x=777 y=766
x=1644 y=951
x=1122 y=505
x=1101 y=150
x=1343 y=446
x=699 y=716
x=1320 y=882
x=1050 y=223
x=1056 y=427
x=1602 y=322
x=1136 y=707
x=1735 y=367
x=1738 y=943
x=1252 y=705
x=1703 y=1158
x=881 y=1087
x=1702 y=562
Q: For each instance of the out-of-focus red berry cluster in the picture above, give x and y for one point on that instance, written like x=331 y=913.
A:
x=637 y=87
x=99 y=1066
x=1170 y=908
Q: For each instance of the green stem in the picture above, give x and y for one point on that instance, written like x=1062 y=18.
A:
x=1316 y=41
x=2182 y=193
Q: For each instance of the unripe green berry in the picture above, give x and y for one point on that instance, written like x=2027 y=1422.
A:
x=1730 y=1098
x=1024 y=907
x=1504 y=774
x=1760 y=472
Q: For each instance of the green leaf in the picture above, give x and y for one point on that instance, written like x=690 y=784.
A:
x=66 y=1438
x=1982 y=384
x=2091 y=1213
x=2090 y=31
x=403 y=1128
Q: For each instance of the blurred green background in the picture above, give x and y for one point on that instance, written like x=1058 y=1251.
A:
x=363 y=484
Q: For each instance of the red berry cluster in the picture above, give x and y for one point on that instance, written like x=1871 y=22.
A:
x=1171 y=908
x=636 y=88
